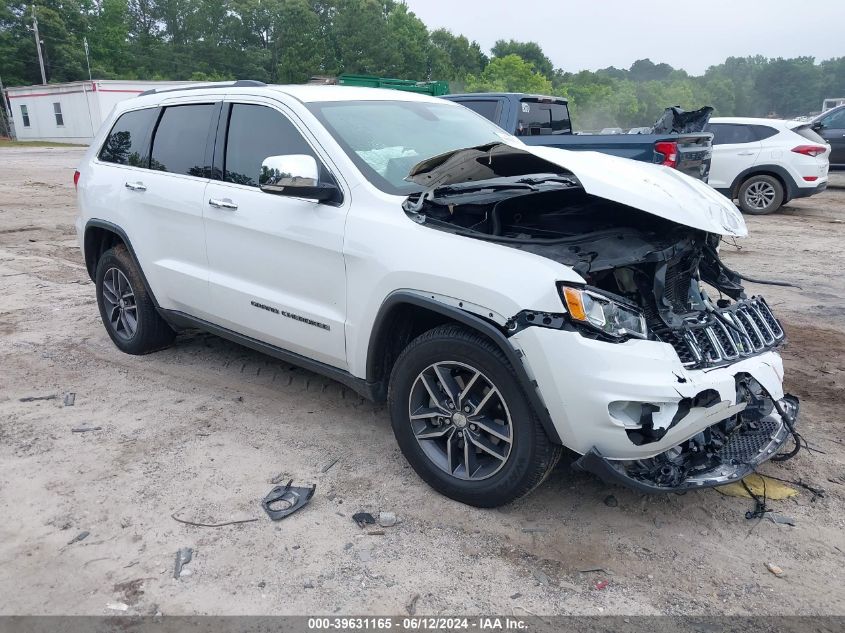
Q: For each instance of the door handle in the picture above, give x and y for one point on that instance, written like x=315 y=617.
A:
x=222 y=203
x=745 y=153
x=135 y=186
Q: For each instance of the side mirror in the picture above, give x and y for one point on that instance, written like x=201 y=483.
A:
x=295 y=175
x=818 y=125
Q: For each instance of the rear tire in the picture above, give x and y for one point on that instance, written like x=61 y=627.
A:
x=127 y=310
x=474 y=440
x=760 y=194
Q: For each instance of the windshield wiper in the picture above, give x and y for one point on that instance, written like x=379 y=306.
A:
x=537 y=180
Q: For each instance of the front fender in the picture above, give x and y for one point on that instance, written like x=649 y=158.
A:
x=489 y=329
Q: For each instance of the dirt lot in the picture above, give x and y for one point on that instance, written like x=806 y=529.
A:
x=201 y=428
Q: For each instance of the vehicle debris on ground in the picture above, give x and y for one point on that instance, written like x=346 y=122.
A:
x=184 y=556
x=282 y=501
x=79 y=537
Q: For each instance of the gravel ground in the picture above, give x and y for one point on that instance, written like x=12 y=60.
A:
x=200 y=430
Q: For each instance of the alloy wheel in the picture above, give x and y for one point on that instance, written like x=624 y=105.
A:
x=119 y=303
x=460 y=420
x=759 y=195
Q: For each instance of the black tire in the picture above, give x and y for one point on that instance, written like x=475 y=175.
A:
x=151 y=332
x=531 y=455
x=760 y=194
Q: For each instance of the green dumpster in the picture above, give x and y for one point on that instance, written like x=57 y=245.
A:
x=433 y=88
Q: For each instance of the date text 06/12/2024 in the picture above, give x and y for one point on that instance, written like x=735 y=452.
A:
x=483 y=624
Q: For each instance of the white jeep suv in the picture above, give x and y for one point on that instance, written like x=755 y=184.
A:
x=506 y=301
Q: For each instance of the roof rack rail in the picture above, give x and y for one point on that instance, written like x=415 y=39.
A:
x=240 y=83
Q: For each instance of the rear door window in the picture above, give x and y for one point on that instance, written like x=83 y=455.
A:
x=488 y=108
x=179 y=146
x=127 y=142
x=730 y=133
x=255 y=133
x=538 y=118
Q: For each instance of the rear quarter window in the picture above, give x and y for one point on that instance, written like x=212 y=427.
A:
x=731 y=133
x=764 y=131
x=181 y=138
x=128 y=139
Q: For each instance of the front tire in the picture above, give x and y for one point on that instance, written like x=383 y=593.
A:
x=760 y=194
x=127 y=310
x=463 y=421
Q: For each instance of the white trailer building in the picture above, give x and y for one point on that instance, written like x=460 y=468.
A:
x=71 y=112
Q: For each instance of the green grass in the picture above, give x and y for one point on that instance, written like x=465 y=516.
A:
x=8 y=143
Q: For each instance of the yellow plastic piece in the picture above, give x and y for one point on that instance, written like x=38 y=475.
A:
x=760 y=485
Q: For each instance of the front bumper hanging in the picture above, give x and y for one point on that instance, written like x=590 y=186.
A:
x=740 y=456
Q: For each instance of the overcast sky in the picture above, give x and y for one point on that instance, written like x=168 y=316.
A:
x=587 y=35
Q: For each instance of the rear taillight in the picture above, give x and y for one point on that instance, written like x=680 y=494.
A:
x=76 y=179
x=809 y=150
x=666 y=153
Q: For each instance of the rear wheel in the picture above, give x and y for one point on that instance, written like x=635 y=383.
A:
x=463 y=422
x=128 y=312
x=760 y=195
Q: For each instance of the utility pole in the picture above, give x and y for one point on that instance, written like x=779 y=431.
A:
x=85 y=41
x=5 y=116
x=38 y=45
x=3 y=96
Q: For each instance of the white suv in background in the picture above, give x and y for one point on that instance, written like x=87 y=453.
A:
x=765 y=163
x=506 y=301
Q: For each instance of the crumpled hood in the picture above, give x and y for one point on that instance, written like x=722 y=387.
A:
x=655 y=189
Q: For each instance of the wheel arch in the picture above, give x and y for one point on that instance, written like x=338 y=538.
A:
x=99 y=237
x=405 y=314
x=775 y=171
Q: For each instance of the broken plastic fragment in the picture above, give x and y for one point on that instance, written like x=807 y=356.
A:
x=183 y=557
x=678 y=121
x=282 y=501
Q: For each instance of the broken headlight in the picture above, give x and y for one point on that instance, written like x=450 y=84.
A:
x=602 y=313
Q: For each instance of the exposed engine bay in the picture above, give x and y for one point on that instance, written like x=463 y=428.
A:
x=667 y=275
x=653 y=265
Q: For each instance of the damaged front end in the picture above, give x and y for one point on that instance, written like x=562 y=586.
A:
x=725 y=452
x=651 y=274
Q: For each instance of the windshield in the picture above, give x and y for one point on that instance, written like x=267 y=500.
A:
x=385 y=139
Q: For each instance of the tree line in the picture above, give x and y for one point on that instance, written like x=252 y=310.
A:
x=289 y=41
